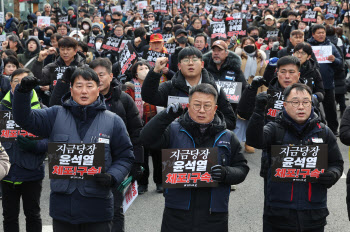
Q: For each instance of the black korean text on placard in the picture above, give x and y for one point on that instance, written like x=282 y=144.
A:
x=236 y=27
x=10 y=130
x=298 y=163
x=310 y=16
x=76 y=161
x=188 y=168
x=218 y=29
x=170 y=47
x=111 y=44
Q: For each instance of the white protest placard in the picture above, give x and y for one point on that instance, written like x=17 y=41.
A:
x=2 y=39
x=322 y=53
x=182 y=100
x=141 y=5
x=116 y=9
x=2 y=17
x=130 y=195
x=43 y=20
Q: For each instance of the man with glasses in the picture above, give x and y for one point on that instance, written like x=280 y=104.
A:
x=191 y=72
x=62 y=29
x=47 y=10
x=298 y=205
x=202 y=126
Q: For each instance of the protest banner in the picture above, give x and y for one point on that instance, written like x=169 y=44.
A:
x=306 y=2
x=218 y=29
x=10 y=130
x=166 y=37
x=2 y=39
x=322 y=53
x=309 y=16
x=76 y=161
x=151 y=56
x=334 y=10
x=188 y=168
x=170 y=47
x=236 y=27
x=274 y=104
x=182 y=100
x=130 y=195
x=116 y=8
x=232 y=89
x=218 y=14
x=91 y=42
x=43 y=20
x=298 y=162
x=2 y=17
x=63 y=19
x=263 y=3
x=111 y=43
x=141 y=5
x=127 y=58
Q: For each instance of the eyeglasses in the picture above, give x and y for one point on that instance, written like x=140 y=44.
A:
x=300 y=53
x=197 y=107
x=295 y=104
x=187 y=60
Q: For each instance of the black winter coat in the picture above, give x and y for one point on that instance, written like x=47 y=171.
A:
x=157 y=134
x=309 y=72
x=117 y=102
x=290 y=217
x=156 y=94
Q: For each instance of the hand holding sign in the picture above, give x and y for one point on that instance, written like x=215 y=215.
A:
x=328 y=178
x=218 y=173
x=161 y=62
x=104 y=179
x=331 y=58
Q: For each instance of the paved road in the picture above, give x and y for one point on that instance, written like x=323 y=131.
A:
x=246 y=204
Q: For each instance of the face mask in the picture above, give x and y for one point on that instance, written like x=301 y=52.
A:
x=98 y=46
x=95 y=32
x=249 y=49
x=142 y=74
x=49 y=35
x=204 y=22
x=182 y=40
x=138 y=21
x=77 y=39
x=167 y=28
x=86 y=27
x=255 y=37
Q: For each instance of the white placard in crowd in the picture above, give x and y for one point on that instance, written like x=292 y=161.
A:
x=322 y=53
x=2 y=17
x=43 y=20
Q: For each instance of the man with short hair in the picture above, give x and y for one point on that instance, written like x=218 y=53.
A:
x=62 y=29
x=202 y=209
x=296 y=36
x=191 y=72
x=52 y=72
x=327 y=71
x=200 y=42
x=295 y=205
x=329 y=19
x=80 y=205
x=24 y=180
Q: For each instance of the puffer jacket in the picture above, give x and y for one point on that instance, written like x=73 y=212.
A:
x=328 y=70
x=156 y=94
x=80 y=201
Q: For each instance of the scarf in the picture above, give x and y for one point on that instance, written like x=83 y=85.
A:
x=251 y=65
x=8 y=23
x=138 y=98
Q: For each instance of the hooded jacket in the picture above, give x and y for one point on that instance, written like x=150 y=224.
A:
x=27 y=55
x=80 y=201
x=328 y=70
x=310 y=74
x=156 y=94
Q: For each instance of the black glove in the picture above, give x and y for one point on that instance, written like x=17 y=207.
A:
x=136 y=171
x=260 y=103
x=67 y=75
x=218 y=173
x=257 y=82
x=28 y=83
x=104 y=179
x=328 y=178
x=174 y=109
x=26 y=143
x=258 y=18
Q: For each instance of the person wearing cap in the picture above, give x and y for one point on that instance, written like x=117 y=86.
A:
x=223 y=64
x=157 y=44
x=191 y=72
x=330 y=20
x=270 y=29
